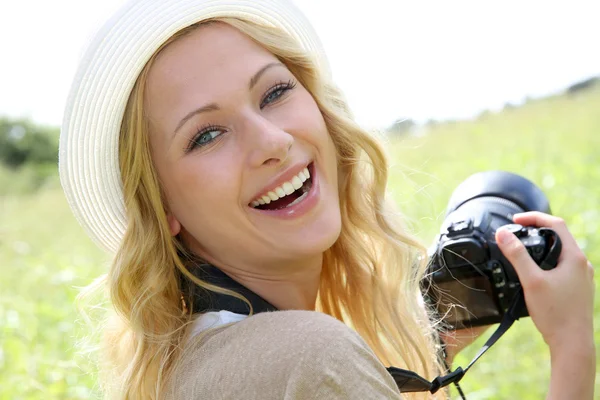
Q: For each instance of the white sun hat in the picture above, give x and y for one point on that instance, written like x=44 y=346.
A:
x=88 y=155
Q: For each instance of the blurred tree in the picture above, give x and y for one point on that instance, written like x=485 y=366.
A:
x=401 y=127
x=583 y=85
x=22 y=141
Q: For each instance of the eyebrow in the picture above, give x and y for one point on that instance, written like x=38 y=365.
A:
x=214 y=106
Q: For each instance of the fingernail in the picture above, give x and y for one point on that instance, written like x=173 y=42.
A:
x=505 y=236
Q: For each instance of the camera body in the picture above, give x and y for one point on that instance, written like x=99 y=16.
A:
x=469 y=280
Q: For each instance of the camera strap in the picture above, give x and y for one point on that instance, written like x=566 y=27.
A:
x=409 y=381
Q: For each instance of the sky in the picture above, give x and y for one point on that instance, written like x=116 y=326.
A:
x=394 y=59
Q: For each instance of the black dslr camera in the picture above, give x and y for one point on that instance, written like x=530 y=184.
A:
x=469 y=280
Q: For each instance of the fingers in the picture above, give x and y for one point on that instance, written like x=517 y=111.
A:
x=570 y=249
x=539 y=219
x=514 y=250
x=536 y=218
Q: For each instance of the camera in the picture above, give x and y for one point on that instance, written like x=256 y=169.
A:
x=469 y=281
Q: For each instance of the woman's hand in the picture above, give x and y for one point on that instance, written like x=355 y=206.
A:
x=457 y=340
x=560 y=303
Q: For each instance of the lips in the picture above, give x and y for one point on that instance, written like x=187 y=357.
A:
x=297 y=195
x=286 y=184
x=300 y=204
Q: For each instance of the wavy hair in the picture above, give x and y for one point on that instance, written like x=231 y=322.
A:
x=370 y=277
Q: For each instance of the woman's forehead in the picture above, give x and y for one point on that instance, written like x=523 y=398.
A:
x=211 y=64
x=209 y=49
x=210 y=60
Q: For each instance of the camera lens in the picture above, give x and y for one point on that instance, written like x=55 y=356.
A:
x=501 y=185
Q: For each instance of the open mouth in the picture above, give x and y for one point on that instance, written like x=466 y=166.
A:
x=287 y=194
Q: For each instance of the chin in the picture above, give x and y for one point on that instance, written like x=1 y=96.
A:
x=322 y=234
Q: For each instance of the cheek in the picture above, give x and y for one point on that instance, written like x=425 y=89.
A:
x=303 y=118
x=200 y=189
x=309 y=115
x=315 y=127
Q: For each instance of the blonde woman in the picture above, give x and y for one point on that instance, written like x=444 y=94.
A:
x=205 y=145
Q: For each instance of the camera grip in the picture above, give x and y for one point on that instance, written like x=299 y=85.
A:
x=551 y=259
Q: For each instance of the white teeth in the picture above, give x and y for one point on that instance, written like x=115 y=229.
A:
x=285 y=189
x=288 y=188
x=296 y=183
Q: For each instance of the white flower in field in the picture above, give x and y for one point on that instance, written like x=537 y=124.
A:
x=65 y=275
x=22 y=248
x=548 y=181
x=12 y=319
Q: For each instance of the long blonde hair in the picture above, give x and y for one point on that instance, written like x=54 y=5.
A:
x=370 y=277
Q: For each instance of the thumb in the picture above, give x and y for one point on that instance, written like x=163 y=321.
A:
x=517 y=255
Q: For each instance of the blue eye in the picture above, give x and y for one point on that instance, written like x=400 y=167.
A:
x=276 y=92
x=204 y=137
x=274 y=95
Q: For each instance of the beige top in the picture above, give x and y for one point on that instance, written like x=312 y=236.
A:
x=289 y=355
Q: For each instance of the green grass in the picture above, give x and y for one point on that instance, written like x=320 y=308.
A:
x=45 y=256
x=27 y=179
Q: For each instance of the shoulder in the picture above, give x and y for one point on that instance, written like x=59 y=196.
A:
x=284 y=354
x=293 y=334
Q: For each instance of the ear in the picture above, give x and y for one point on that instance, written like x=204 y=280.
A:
x=174 y=224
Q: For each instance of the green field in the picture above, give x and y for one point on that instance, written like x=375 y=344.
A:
x=45 y=256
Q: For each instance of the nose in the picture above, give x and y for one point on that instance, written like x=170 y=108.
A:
x=269 y=144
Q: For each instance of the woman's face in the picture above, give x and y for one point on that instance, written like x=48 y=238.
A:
x=230 y=128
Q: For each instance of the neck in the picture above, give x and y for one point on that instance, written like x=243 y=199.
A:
x=294 y=287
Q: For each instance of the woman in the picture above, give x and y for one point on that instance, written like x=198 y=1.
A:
x=205 y=144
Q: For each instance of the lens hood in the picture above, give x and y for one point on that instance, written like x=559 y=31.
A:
x=502 y=184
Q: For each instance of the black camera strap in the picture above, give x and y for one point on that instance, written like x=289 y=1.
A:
x=204 y=300
x=409 y=381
